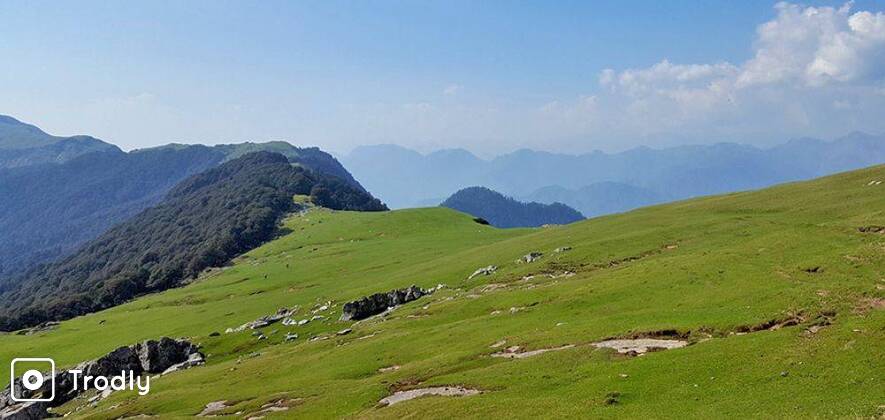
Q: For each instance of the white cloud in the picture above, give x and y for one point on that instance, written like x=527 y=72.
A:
x=806 y=63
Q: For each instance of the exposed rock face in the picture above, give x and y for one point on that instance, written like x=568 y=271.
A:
x=530 y=257
x=283 y=314
x=149 y=357
x=483 y=271
x=379 y=302
x=157 y=356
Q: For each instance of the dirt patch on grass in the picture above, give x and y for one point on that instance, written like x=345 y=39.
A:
x=515 y=352
x=213 y=408
x=639 y=346
x=872 y=229
x=275 y=407
x=867 y=304
x=443 y=391
x=771 y=325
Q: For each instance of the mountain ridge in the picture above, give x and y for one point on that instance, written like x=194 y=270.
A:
x=506 y=212
x=52 y=206
x=391 y=171
x=202 y=222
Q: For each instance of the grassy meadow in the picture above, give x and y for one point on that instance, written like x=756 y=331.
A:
x=710 y=270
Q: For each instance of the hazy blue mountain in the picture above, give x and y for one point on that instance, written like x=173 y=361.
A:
x=505 y=212
x=404 y=178
x=48 y=209
x=24 y=144
x=599 y=198
x=388 y=170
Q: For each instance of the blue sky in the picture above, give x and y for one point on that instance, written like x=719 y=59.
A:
x=488 y=76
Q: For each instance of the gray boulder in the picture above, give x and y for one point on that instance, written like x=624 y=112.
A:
x=380 y=302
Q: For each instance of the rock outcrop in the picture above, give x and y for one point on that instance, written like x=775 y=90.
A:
x=149 y=357
x=483 y=271
x=380 y=302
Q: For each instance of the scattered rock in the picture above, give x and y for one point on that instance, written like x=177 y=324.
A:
x=612 y=398
x=445 y=391
x=641 y=345
x=214 y=334
x=281 y=314
x=380 y=302
x=344 y=331
x=498 y=344
x=288 y=322
x=813 y=270
x=212 y=408
x=46 y=326
x=562 y=249
x=291 y=336
x=530 y=257
x=483 y=271
x=514 y=352
x=195 y=359
x=389 y=369
x=303 y=321
x=871 y=229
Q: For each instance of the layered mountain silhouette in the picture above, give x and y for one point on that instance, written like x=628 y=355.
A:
x=505 y=212
x=599 y=198
x=24 y=145
x=405 y=178
x=50 y=204
x=203 y=222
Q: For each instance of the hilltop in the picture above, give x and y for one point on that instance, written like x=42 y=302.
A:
x=23 y=144
x=505 y=212
x=774 y=299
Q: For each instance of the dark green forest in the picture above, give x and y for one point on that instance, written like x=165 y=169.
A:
x=203 y=222
x=505 y=212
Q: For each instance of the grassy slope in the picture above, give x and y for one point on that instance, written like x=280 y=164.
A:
x=740 y=260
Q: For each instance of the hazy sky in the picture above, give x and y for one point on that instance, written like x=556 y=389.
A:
x=485 y=75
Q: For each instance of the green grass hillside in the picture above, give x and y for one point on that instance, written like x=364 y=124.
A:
x=717 y=272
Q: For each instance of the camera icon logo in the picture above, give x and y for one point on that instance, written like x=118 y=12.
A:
x=32 y=380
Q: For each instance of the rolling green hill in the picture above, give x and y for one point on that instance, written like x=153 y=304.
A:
x=778 y=293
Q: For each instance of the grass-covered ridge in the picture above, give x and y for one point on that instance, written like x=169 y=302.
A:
x=706 y=268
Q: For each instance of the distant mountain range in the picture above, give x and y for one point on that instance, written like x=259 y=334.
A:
x=505 y=212
x=51 y=203
x=599 y=198
x=599 y=183
x=24 y=145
